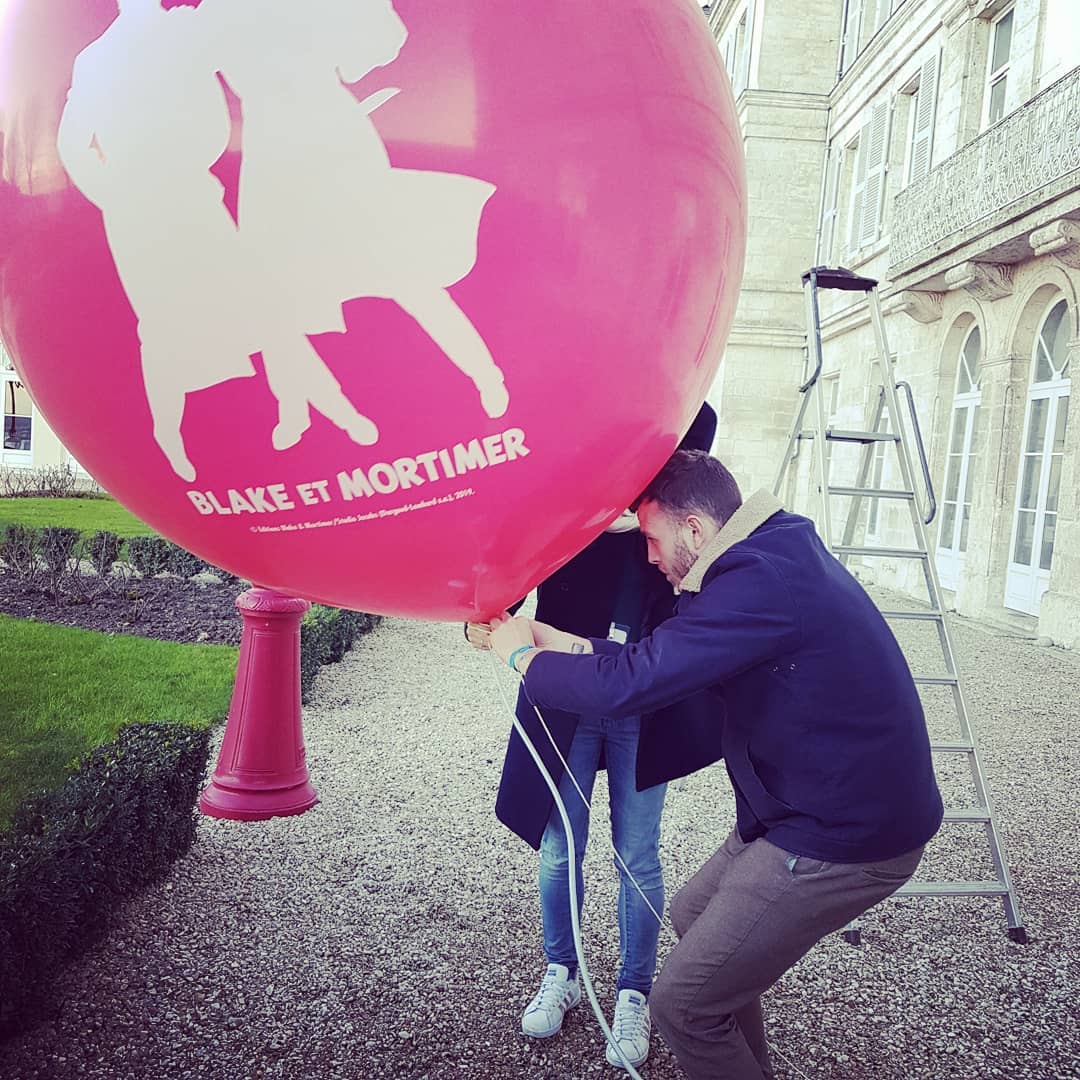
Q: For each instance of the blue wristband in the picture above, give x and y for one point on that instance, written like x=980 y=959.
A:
x=516 y=653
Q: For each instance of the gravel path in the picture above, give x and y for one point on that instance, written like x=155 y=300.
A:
x=393 y=930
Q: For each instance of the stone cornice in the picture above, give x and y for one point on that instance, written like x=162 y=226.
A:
x=923 y=307
x=985 y=281
x=1061 y=239
x=775 y=337
x=786 y=99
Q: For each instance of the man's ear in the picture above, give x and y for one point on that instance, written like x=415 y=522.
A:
x=699 y=535
x=701 y=529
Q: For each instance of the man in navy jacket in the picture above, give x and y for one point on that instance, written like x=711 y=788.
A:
x=823 y=736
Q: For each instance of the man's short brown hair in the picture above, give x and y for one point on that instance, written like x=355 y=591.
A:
x=693 y=482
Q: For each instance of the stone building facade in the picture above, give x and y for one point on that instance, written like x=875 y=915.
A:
x=933 y=145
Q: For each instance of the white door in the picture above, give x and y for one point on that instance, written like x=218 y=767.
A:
x=960 y=463
x=1039 y=479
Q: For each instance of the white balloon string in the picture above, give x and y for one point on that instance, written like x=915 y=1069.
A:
x=588 y=805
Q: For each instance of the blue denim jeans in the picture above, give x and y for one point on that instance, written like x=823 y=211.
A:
x=635 y=829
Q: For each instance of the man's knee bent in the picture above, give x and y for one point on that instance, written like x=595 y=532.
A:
x=681 y=1025
x=683 y=912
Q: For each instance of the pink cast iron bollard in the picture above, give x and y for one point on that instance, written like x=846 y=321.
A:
x=261 y=772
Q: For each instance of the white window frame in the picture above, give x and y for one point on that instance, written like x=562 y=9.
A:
x=746 y=67
x=850 y=23
x=874 y=16
x=884 y=11
x=741 y=53
x=727 y=51
x=858 y=189
x=736 y=48
x=830 y=401
x=830 y=395
x=1026 y=583
x=8 y=375
x=830 y=204
x=950 y=557
x=996 y=75
x=859 y=16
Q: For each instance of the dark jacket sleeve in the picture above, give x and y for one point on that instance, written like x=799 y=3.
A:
x=743 y=617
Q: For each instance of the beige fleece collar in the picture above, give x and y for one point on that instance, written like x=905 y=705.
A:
x=753 y=513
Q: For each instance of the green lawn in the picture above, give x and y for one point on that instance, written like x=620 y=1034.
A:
x=66 y=690
x=87 y=515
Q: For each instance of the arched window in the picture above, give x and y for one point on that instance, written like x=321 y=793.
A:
x=1039 y=478
x=960 y=462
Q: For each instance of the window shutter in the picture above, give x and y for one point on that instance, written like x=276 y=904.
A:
x=858 y=191
x=876 y=163
x=847 y=26
x=922 y=146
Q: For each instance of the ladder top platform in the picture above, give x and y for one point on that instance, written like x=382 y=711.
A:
x=838 y=277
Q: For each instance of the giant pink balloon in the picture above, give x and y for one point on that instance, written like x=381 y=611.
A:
x=393 y=307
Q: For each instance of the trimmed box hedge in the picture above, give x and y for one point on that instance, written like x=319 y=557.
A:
x=118 y=822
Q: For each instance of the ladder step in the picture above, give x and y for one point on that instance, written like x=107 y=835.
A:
x=952 y=747
x=935 y=680
x=952 y=888
x=970 y=814
x=882 y=552
x=918 y=616
x=861 y=436
x=873 y=493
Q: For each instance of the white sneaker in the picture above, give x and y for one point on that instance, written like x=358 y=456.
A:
x=557 y=995
x=631 y=1028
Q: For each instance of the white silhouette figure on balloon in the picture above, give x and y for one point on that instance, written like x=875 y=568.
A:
x=323 y=217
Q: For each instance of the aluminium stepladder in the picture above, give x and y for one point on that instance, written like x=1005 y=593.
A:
x=877 y=433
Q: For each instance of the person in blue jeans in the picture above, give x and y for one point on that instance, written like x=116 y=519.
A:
x=635 y=833
x=607 y=590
